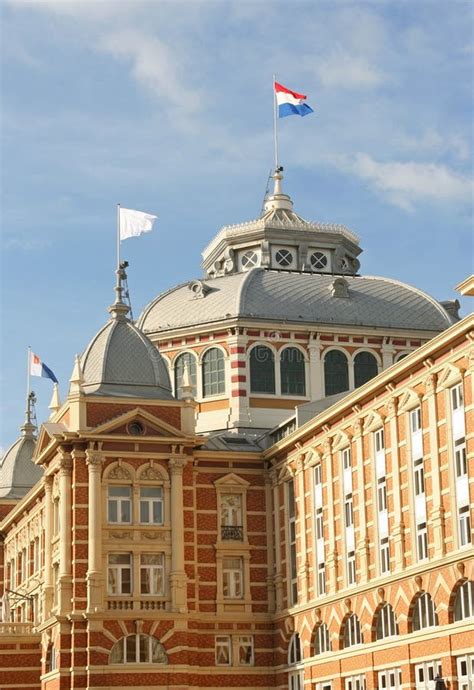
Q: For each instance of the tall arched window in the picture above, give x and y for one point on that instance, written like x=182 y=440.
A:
x=365 y=368
x=294 y=650
x=424 y=614
x=190 y=360
x=292 y=372
x=464 y=601
x=322 y=643
x=262 y=370
x=213 y=372
x=138 y=649
x=387 y=625
x=352 y=631
x=336 y=373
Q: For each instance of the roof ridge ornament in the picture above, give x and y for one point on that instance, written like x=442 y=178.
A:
x=28 y=428
x=55 y=403
x=119 y=309
x=278 y=200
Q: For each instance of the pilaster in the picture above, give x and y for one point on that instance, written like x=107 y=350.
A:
x=65 y=555
x=437 y=513
x=278 y=579
x=48 y=589
x=270 y=542
x=94 y=576
x=363 y=539
x=303 y=569
x=315 y=368
x=398 y=531
x=178 y=575
x=332 y=559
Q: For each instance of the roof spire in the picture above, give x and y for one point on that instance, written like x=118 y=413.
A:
x=278 y=200
x=55 y=403
x=28 y=428
x=119 y=309
x=77 y=378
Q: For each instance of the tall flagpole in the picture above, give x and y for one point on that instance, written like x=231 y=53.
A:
x=275 y=127
x=28 y=382
x=118 y=236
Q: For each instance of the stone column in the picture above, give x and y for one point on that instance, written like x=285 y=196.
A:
x=48 y=590
x=316 y=391
x=398 y=531
x=303 y=566
x=363 y=539
x=388 y=352
x=177 y=575
x=94 y=575
x=332 y=551
x=437 y=512
x=65 y=556
x=278 y=579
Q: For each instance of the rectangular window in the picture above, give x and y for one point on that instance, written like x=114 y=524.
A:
x=379 y=441
x=382 y=494
x=120 y=504
x=321 y=578
x=292 y=541
x=415 y=420
x=419 y=477
x=36 y=555
x=295 y=680
x=348 y=511
x=460 y=458
x=457 y=398
x=422 y=541
x=354 y=682
x=317 y=474
x=120 y=573
x=223 y=650
x=426 y=673
x=464 y=526
x=390 y=679
x=384 y=556
x=351 y=568
x=465 y=669
x=152 y=578
x=231 y=517
x=319 y=524
x=245 y=650
x=232 y=571
x=346 y=458
x=151 y=505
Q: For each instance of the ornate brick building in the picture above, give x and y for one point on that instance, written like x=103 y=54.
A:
x=265 y=483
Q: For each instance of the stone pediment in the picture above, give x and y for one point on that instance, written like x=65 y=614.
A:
x=137 y=423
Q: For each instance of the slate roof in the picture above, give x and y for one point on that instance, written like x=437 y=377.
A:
x=294 y=297
x=18 y=474
x=120 y=360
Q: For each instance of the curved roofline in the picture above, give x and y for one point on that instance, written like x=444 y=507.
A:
x=160 y=296
x=5 y=455
x=416 y=290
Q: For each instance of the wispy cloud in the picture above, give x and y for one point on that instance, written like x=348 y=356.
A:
x=407 y=183
x=346 y=70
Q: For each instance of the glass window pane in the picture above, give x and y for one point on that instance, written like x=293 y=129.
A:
x=131 y=649
x=292 y=372
x=262 y=370
x=365 y=368
x=336 y=372
x=144 y=511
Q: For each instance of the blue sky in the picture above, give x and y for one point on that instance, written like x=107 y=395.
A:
x=167 y=107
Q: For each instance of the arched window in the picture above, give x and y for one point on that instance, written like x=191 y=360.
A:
x=190 y=360
x=138 y=649
x=294 y=650
x=292 y=372
x=424 y=614
x=213 y=372
x=336 y=373
x=387 y=625
x=464 y=601
x=352 y=631
x=322 y=643
x=365 y=368
x=262 y=370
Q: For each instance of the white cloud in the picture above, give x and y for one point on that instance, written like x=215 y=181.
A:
x=406 y=183
x=346 y=70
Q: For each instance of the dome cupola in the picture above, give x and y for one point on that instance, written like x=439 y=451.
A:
x=120 y=360
x=18 y=474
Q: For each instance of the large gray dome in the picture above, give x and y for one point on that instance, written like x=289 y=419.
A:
x=18 y=474
x=266 y=294
x=120 y=360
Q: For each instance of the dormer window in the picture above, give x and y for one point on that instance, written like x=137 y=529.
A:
x=284 y=258
x=318 y=261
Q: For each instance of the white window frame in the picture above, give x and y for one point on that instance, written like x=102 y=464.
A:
x=426 y=611
x=464 y=526
x=323 y=638
x=117 y=501
x=233 y=577
x=156 y=572
x=351 y=568
x=245 y=642
x=119 y=568
x=354 y=627
x=149 y=502
x=465 y=677
x=465 y=594
x=422 y=541
x=429 y=670
x=223 y=642
x=419 y=477
x=389 y=622
x=390 y=679
x=356 y=682
x=457 y=397
x=384 y=556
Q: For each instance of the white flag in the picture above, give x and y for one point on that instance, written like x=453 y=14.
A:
x=134 y=223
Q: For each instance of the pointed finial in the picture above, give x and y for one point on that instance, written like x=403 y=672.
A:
x=278 y=200
x=186 y=388
x=76 y=379
x=119 y=309
x=28 y=428
x=55 y=403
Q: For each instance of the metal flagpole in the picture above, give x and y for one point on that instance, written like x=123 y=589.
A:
x=118 y=236
x=275 y=127
x=28 y=382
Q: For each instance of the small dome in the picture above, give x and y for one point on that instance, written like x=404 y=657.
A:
x=18 y=474
x=120 y=360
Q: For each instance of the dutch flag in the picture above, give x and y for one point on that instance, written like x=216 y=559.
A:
x=38 y=368
x=290 y=102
